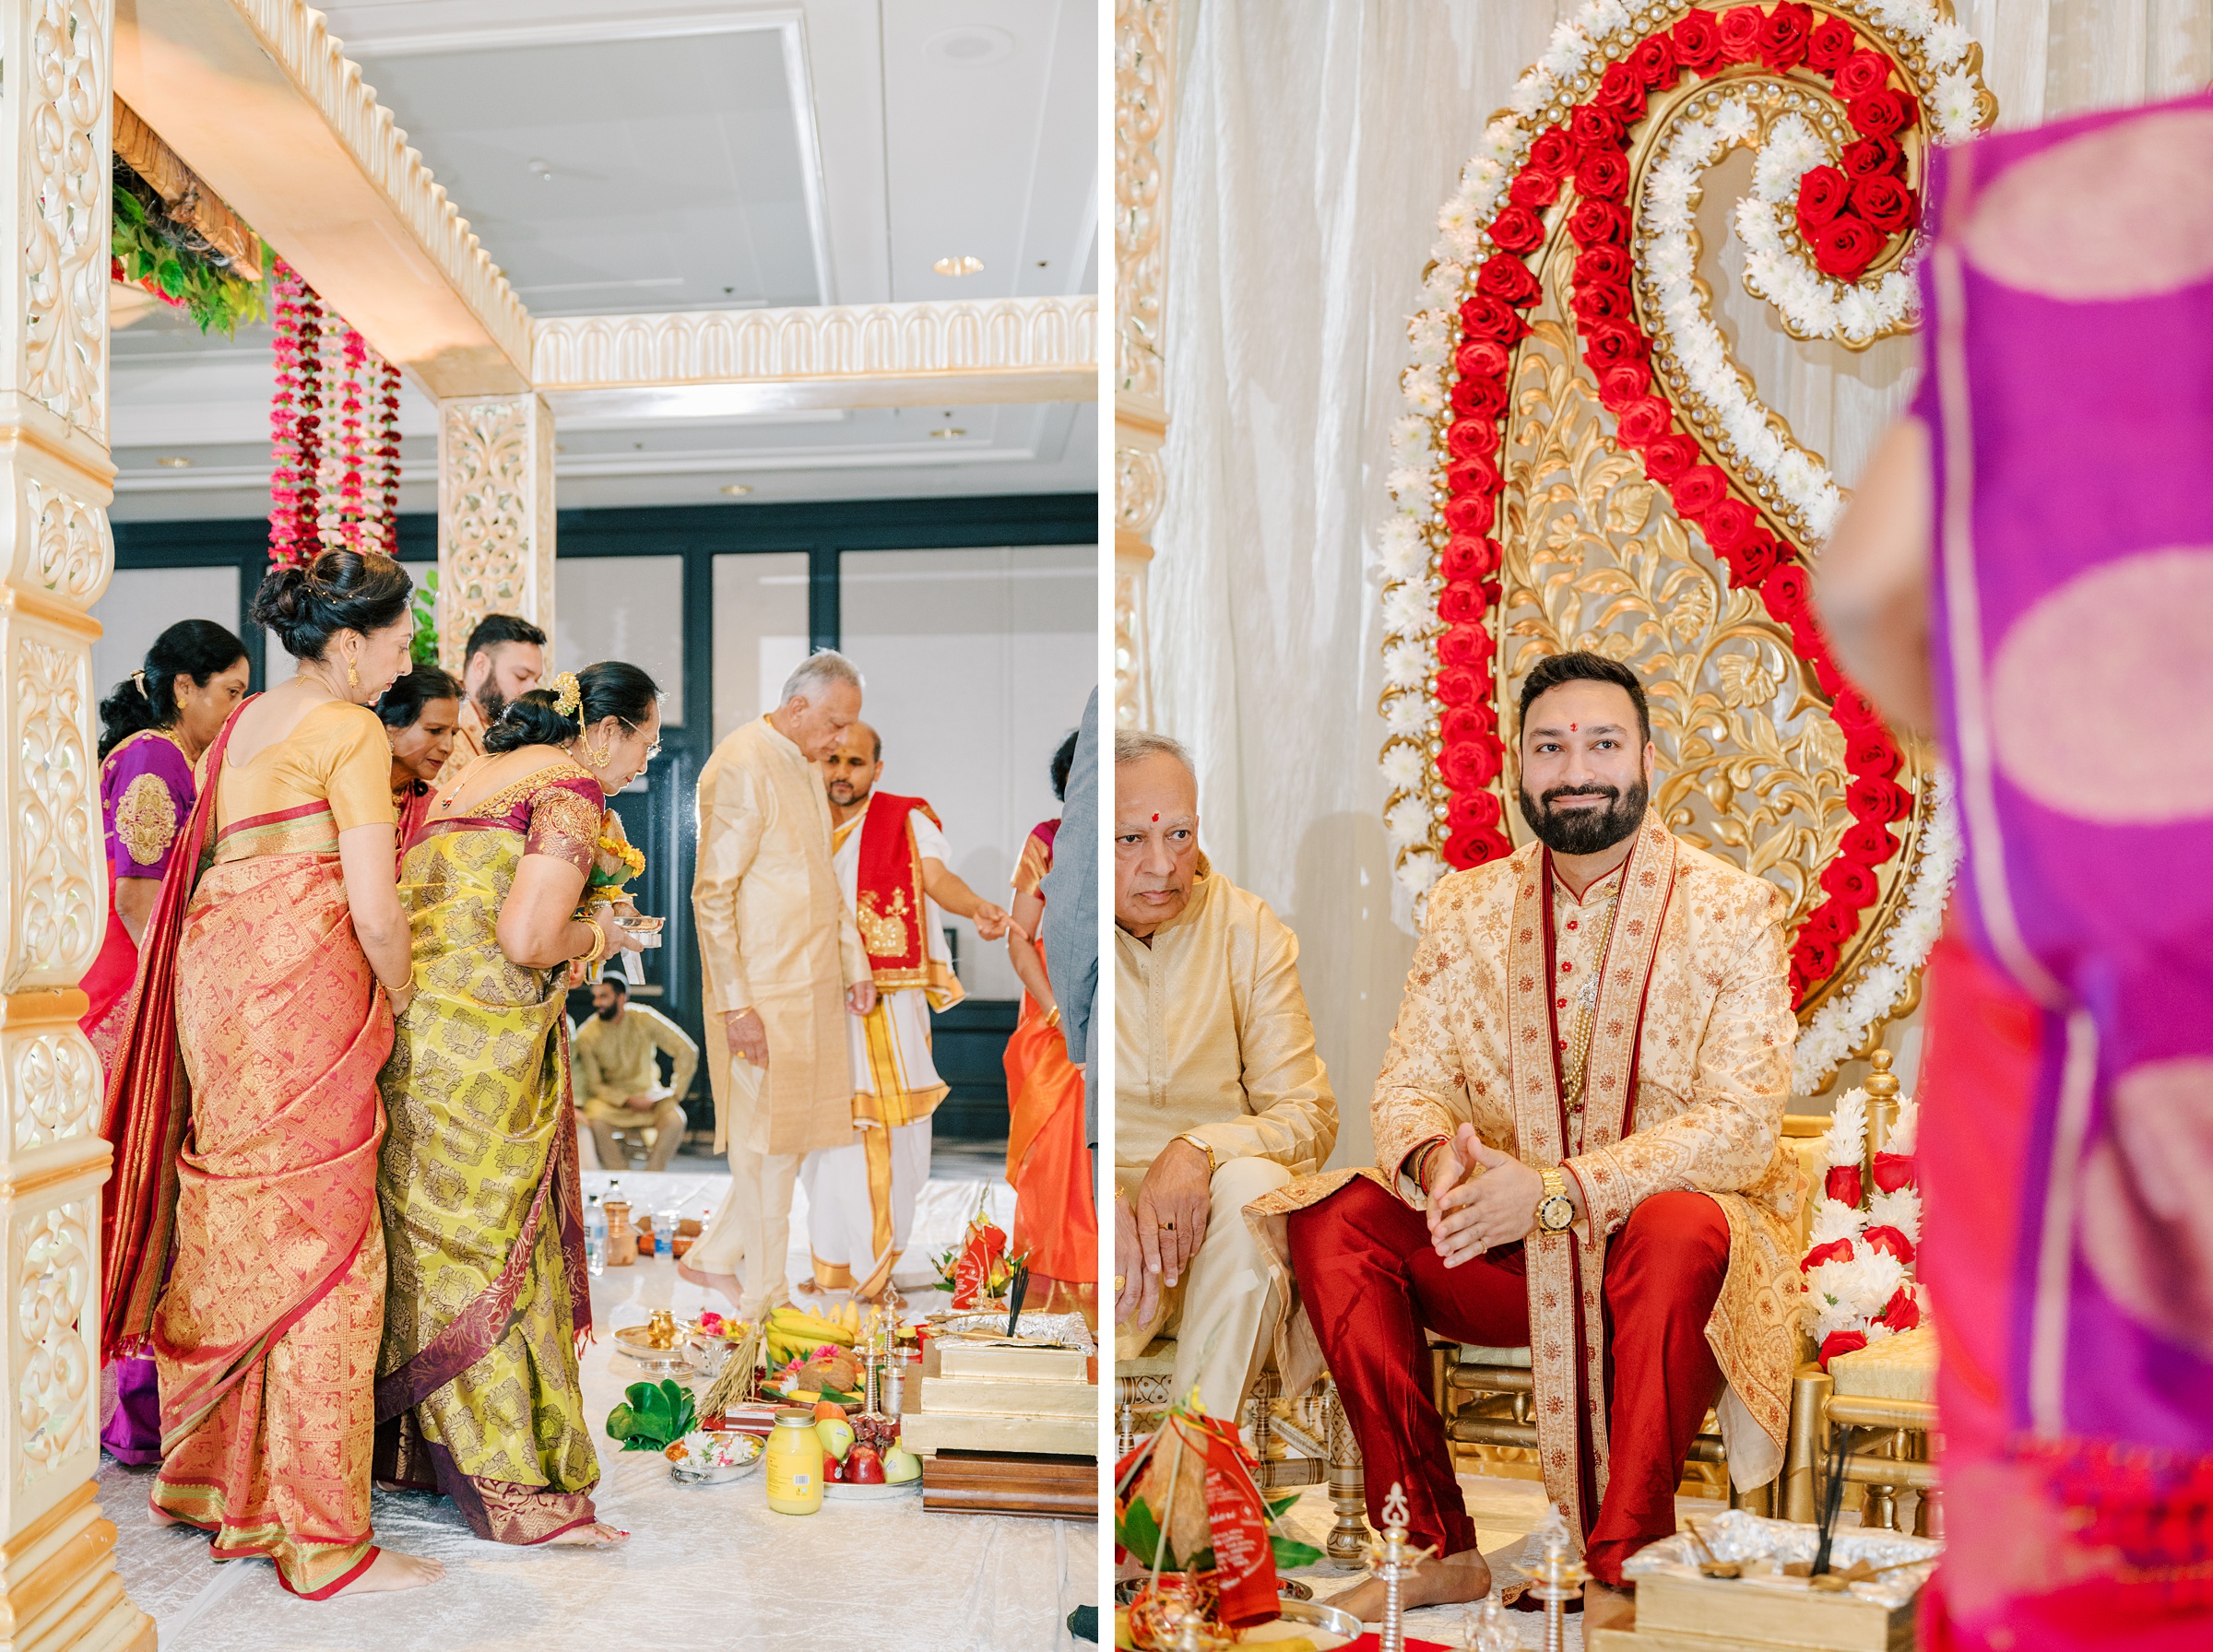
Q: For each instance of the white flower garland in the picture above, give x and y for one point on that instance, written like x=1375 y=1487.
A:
x=1848 y=1292
x=1403 y=554
x=1683 y=328
x=1840 y=1025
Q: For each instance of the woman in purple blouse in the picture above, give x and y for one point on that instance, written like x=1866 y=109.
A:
x=157 y=723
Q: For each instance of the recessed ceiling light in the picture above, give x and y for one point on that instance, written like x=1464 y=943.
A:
x=949 y=432
x=963 y=265
x=542 y=169
x=173 y=462
x=736 y=490
x=970 y=46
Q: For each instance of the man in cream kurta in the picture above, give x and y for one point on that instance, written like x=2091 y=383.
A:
x=1219 y=1096
x=781 y=964
x=1578 y=1149
x=890 y=857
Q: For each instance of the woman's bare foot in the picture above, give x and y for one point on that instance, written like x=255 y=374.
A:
x=725 y=1282
x=1606 y=1606
x=161 y=1516
x=1446 y=1582
x=391 y=1572
x=597 y=1536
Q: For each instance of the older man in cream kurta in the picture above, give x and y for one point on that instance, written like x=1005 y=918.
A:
x=1219 y=1095
x=782 y=963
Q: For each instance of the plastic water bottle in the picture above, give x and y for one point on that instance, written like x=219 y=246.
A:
x=664 y=1234
x=595 y=1236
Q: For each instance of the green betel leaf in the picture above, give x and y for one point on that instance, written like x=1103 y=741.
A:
x=1281 y=1506
x=1290 y=1554
x=1139 y=1534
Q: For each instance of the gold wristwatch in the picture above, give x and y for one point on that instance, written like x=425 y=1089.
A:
x=1213 y=1164
x=1555 y=1211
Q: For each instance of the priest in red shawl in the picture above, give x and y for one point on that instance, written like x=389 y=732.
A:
x=2028 y=570
x=1578 y=1152
x=890 y=855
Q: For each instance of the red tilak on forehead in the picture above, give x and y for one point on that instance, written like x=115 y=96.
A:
x=1156 y=820
x=1571 y=728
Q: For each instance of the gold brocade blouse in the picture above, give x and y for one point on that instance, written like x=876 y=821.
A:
x=1213 y=1038
x=336 y=754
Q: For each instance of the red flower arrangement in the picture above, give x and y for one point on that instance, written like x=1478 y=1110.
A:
x=366 y=390
x=1849 y=216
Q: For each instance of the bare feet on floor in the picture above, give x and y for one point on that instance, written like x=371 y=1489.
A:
x=1606 y=1606
x=725 y=1282
x=1446 y=1582
x=599 y=1536
x=161 y=1516
x=391 y=1572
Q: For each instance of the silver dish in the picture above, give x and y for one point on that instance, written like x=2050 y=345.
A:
x=722 y=1476
x=1323 y=1616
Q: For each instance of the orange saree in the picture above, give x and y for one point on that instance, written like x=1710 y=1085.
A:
x=1048 y=1162
x=265 y=1333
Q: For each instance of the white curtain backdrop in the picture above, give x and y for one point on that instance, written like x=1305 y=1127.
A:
x=1314 y=144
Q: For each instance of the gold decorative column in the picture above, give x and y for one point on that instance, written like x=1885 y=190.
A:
x=1145 y=47
x=58 y=1586
x=495 y=515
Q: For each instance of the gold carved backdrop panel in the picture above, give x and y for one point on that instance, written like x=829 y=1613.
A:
x=1594 y=556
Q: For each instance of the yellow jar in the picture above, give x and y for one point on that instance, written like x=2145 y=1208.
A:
x=793 y=1464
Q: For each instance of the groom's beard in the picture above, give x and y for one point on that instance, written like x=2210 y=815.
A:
x=1588 y=831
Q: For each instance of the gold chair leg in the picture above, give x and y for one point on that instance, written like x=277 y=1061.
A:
x=1803 y=1449
x=1347 y=1542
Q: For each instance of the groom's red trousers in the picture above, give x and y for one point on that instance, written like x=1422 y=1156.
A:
x=1372 y=1282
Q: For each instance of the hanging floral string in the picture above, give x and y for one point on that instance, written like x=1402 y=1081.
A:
x=387 y=454
x=321 y=493
x=349 y=389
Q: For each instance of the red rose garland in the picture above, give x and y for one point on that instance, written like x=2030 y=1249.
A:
x=1848 y=216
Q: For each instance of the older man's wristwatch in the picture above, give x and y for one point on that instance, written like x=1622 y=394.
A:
x=1555 y=1211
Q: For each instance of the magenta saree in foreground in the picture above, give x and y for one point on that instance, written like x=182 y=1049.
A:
x=2068 y=1138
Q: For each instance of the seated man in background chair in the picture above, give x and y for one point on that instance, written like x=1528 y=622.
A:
x=1219 y=1095
x=617 y=1084
x=1578 y=1149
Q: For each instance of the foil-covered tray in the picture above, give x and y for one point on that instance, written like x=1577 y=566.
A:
x=1043 y=1330
x=1764 y=1547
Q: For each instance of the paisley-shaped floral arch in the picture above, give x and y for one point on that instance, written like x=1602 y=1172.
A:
x=1583 y=464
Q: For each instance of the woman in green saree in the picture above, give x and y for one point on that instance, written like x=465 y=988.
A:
x=477 y=1394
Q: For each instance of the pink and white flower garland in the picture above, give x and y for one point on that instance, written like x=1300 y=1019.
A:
x=1861 y=1244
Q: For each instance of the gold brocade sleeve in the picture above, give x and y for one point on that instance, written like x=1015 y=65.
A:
x=1422 y=1092
x=358 y=778
x=145 y=820
x=1723 y=1139
x=565 y=824
x=1294 y=1113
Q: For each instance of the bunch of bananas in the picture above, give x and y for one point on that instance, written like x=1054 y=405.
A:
x=794 y=1333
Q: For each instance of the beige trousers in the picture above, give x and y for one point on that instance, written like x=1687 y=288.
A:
x=1224 y=1311
x=666 y=1121
x=751 y=1229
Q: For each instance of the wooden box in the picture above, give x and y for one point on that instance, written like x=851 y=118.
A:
x=927 y=1431
x=1064 y=1488
x=985 y=1397
x=995 y=1362
x=1717 y=1615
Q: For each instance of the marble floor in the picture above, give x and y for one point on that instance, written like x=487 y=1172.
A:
x=704 y=1567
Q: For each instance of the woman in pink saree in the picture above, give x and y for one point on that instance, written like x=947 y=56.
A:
x=244 y=1247
x=2028 y=569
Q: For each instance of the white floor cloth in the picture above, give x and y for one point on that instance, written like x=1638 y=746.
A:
x=704 y=1567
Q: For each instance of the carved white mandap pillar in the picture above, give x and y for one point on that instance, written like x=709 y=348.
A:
x=1144 y=48
x=58 y=1586
x=495 y=515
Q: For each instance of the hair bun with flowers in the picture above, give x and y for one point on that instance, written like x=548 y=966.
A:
x=569 y=694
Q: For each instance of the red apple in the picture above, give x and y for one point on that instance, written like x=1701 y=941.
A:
x=834 y=1471
x=863 y=1467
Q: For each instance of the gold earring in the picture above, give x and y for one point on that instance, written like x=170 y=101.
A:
x=353 y=677
x=599 y=755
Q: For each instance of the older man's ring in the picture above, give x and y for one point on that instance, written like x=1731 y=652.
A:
x=1169 y=1225
x=1122 y=1282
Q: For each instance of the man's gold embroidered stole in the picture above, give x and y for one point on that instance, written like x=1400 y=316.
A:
x=1566 y=1271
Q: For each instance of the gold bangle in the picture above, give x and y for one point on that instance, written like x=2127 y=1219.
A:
x=1052 y=1016
x=598 y=949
